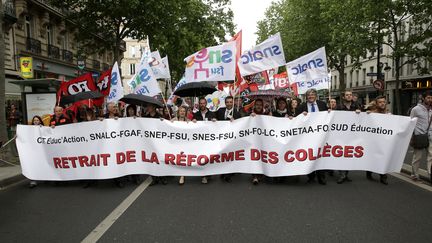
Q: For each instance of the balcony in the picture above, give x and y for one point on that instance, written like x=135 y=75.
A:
x=9 y=14
x=33 y=45
x=67 y=56
x=96 y=64
x=53 y=52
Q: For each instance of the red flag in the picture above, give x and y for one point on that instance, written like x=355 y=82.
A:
x=80 y=84
x=77 y=85
x=281 y=81
x=104 y=82
x=238 y=39
x=103 y=85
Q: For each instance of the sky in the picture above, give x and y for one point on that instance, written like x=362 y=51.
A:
x=246 y=15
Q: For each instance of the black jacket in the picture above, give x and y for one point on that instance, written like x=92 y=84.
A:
x=220 y=114
x=209 y=115
x=322 y=106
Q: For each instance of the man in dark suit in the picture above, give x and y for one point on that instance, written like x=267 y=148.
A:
x=348 y=104
x=227 y=113
x=203 y=114
x=313 y=105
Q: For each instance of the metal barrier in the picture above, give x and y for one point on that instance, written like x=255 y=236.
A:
x=3 y=147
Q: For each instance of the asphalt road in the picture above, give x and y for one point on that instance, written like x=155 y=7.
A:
x=358 y=211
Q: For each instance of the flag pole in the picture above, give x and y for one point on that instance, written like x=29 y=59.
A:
x=166 y=106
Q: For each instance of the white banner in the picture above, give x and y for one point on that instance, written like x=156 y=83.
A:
x=216 y=63
x=266 y=55
x=165 y=62
x=158 y=66
x=259 y=145
x=317 y=84
x=116 y=88
x=312 y=66
x=144 y=81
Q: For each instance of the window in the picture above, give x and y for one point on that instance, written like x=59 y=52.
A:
x=65 y=41
x=351 y=78
x=364 y=76
x=357 y=77
x=132 y=68
x=49 y=35
x=371 y=69
x=132 y=51
x=28 y=26
x=410 y=68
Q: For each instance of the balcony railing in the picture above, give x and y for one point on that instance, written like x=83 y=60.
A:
x=53 y=52
x=96 y=64
x=9 y=12
x=67 y=56
x=33 y=45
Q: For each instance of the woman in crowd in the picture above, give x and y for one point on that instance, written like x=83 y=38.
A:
x=36 y=121
x=131 y=111
x=292 y=106
x=332 y=104
x=181 y=116
x=166 y=113
x=281 y=108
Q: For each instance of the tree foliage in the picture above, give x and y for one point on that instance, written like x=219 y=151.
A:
x=350 y=28
x=340 y=26
x=175 y=27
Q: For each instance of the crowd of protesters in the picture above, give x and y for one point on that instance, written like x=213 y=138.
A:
x=283 y=107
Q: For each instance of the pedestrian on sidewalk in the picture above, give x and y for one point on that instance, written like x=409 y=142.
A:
x=423 y=113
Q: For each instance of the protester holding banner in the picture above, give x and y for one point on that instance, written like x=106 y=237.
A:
x=58 y=118
x=112 y=111
x=292 y=107
x=258 y=109
x=203 y=114
x=423 y=113
x=379 y=107
x=281 y=108
x=131 y=111
x=313 y=105
x=227 y=113
x=152 y=113
x=332 y=104
x=36 y=121
x=347 y=105
x=181 y=116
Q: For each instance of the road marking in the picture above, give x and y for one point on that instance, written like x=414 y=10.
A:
x=100 y=230
x=407 y=179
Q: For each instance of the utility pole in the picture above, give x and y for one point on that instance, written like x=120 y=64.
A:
x=3 y=131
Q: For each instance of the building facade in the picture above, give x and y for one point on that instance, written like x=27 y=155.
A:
x=130 y=63
x=34 y=28
x=361 y=80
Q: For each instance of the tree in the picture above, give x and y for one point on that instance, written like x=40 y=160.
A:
x=406 y=27
x=340 y=26
x=3 y=131
x=175 y=26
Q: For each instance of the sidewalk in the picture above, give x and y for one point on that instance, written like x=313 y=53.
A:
x=10 y=175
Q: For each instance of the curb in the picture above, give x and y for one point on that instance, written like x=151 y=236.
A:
x=406 y=169
x=11 y=180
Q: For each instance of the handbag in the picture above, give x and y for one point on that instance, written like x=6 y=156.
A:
x=421 y=141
